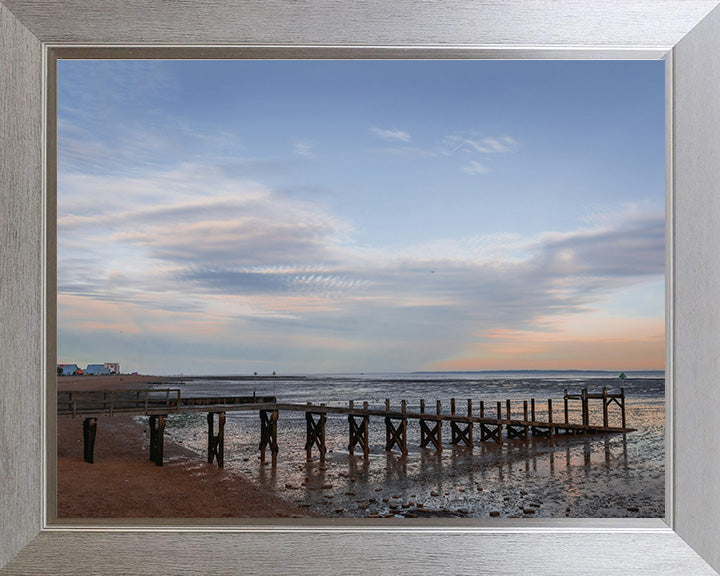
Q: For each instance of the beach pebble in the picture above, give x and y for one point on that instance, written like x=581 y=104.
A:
x=289 y=486
x=396 y=496
x=372 y=499
x=378 y=489
x=385 y=500
x=363 y=506
x=461 y=489
x=327 y=486
x=393 y=506
x=349 y=493
x=246 y=459
x=523 y=492
x=339 y=510
x=463 y=511
x=528 y=511
x=434 y=493
x=633 y=509
x=410 y=515
x=373 y=515
x=494 y=514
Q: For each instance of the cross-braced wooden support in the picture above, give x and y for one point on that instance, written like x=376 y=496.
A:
x=431 y=434
x=359 y=432
x=216 y=443
x=517 y=431
x=157 y=435
x=315 y=434
x=268 y=434
x=461 y=433
x=541 y=431
x=491 y=433
x=89 y=432
x=396 y=435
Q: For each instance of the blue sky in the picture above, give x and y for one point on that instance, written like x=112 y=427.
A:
x=314 y=216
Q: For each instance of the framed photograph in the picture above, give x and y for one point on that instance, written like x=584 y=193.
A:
x=683 y=34
x=459 y=265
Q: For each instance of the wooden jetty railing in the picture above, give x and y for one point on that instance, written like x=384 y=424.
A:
x=159 y=403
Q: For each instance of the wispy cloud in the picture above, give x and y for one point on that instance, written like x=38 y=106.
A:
x=474 y=167
x=303 y=148
x=391 y=135
x=475 y=143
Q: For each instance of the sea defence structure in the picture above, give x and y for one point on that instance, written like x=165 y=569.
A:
x=496 y=423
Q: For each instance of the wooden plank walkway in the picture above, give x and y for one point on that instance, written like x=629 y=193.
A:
x=159 y=403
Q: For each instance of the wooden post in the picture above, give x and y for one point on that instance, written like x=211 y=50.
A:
x=323 y=447
x=585 y=414
x=499 y=410
x=89 y=433
x=525 y=410
x=439 y=425
x=310 y=430
x=366 y=432
x=469 y=408
x=566 y=407
x=508 y=411
x=550 y=421
x=221 y=440
x=422 y=406
x=216 y=443
x=482 y=409
x=605 y=408
x=622 y=406
x=532 y=409
x=153 y=437
x=160 y=439
x=452 y=406
x=352 y=433
x=211 y=437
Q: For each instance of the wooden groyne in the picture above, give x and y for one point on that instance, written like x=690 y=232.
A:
x=495 y=425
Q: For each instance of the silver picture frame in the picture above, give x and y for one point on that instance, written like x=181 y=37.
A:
x=685 y=33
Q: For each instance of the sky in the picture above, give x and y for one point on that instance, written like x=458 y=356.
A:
x=231 y=217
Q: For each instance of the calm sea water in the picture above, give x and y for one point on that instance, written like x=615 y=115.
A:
x=597 y=476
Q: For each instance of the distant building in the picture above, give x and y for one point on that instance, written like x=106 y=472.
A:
x=114 y=367
x=68 y=369
x=96 y=369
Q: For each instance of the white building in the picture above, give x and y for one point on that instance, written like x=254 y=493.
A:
x=114 y=367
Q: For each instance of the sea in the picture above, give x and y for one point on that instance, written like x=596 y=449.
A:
x=598 y=476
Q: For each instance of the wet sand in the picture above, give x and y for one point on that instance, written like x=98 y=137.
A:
x=572 y=477
x=107 y=382
x=123 y=483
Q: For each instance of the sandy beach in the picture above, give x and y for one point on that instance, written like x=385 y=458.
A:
x=123 y=483
x=576 y=477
